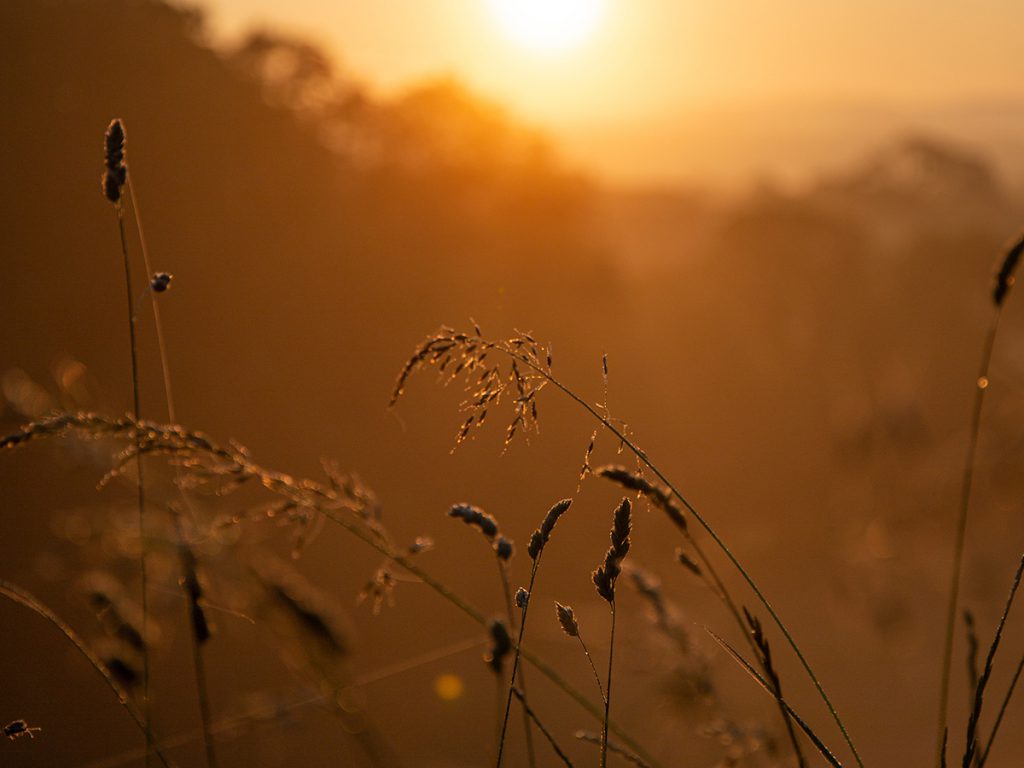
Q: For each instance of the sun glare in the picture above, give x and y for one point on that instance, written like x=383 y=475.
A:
x=548 y=25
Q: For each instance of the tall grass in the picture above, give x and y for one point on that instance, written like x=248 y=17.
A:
x=514 y=371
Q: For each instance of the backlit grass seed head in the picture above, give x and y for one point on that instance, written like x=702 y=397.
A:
x=380 y=590
x=687 y=562
x=1004 y=277
x=567 y=619
x=194 y=593
x=115 y=172
x=605 y=576
x=504 y=548
x=119 y=618
x=516 y=374
x=501 y=645
x=122 y=670
x=475 y=517
x=540 y=537
x=658 y=496
x=312 y=615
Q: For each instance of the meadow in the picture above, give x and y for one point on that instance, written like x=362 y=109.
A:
x=774 y=494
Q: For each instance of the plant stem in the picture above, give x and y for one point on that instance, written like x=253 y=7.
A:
x=590 y=658
x=521 y=695
x=981 y=385
x=719 y=588
x=198 y=665
x=515 y=665
x=608 y=692
x=510 y=608
x=1002 y=711
x=141 y=500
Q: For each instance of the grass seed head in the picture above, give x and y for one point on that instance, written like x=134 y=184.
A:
x=606 y=574
x=115 y=172
x=475 y=517
x=1004 y=277
x=567 y=619
x=504 y=548
x=501 y=645
x=542 y=535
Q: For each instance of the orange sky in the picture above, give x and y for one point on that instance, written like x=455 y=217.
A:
x=654 y=67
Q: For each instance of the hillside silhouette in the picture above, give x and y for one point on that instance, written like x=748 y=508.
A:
x=804 y=359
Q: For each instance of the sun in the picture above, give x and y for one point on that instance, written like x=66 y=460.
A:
x=548 y=26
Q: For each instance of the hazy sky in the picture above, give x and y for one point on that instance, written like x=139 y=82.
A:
x=652 y=64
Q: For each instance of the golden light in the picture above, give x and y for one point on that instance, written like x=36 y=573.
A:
x=448 y=687
x=548 y=25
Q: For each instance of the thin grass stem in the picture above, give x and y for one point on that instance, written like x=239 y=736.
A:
x=521 y=695
x=512 y=622
x=608 y=691
x=769 y=689
x=198 y=665
x=981 y=386
x=515 y=665
x=140 y=495
x=1002 y=711
x=593 y=667
x=986 y=673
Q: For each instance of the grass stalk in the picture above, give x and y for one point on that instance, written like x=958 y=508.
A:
x=967 y=480
x=515 y=666
x=513 y=622
x=521 y=696
x=198 y=665
x=1004 y=280
x=770 y=690
x=986 y=673
x=1002 y=712
x=140 y=486
x=593 y=667
x=608 y=691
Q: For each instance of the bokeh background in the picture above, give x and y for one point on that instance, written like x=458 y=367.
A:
x=780 y=227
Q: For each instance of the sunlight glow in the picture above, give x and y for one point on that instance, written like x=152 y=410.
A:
x=548 y=25
x=448 y=687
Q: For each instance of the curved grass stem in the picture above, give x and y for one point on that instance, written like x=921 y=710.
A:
x=981 y=386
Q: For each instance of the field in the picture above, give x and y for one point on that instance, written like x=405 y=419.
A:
x=302 y=392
